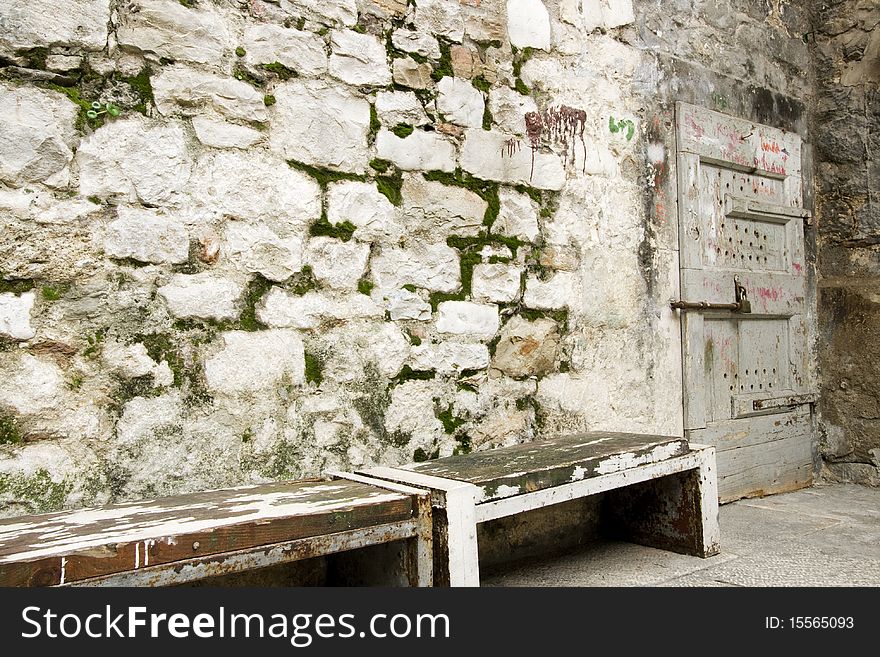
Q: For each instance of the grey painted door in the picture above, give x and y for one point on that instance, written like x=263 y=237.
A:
x=747 y=376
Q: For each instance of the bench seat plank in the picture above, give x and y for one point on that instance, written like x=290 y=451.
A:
x=59 y=548
x=530 y=467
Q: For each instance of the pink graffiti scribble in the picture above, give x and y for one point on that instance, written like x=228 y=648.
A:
x=768 y=294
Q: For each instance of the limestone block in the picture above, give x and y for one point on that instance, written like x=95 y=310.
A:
x=41 y=23
x=441 y=17
x=320 y=125
x=364 y=206
x=448 y=357
x=421 y=150
x=560 y=257
x=256 y=248
x=337 y=12
x=467 y=318
x=390 y=349
x=130 y=361
x=509 y=108
x=560 y=291
x=30 y=385
x=409 y=73
x=411 y=412
x=403 y=304
x=255 y=361
x=395 y=107
x=146 y=236
x=298 y=50
x=528 y=24
x=37 y=134
x=182 y=90
x=135 y=159
x=202 y=296
x=217 y=133
x=484 y=154
x=253 y=185
x=496 y=282
x=168 y=29
x=335 y=263
x=358 y=58
x=465 y=62
x=313 y=309
x=460 y=102
x=602 y=13
x=437 y=209
x=517 y=215
x=485 y=20
x=15 y=315
x=431 y=266
x=63 y=63
x=527 y=348
x=418 y=42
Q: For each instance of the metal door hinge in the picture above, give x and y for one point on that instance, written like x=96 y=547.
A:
x=741 y=305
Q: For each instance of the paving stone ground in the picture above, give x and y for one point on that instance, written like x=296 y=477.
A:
x=827 y=535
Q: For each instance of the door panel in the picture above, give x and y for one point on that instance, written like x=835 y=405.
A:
x=747 y=388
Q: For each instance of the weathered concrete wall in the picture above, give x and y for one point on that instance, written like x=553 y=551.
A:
x=299 y=235
x=846 y=48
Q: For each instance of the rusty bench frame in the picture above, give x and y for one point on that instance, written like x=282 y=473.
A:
x=50 y=569
x=459 y=508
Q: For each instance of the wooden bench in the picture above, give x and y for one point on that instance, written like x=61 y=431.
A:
x=668 y=497
x=199 y=535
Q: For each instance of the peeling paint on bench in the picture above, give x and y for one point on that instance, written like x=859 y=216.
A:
x=60 y=548
x=669 y=491
x=530 y=467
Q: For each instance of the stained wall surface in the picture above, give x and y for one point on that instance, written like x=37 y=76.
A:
x=293 y=235
x=846 y=51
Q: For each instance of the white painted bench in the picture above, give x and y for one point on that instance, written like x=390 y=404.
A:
x=668 y=494
x=199 y=535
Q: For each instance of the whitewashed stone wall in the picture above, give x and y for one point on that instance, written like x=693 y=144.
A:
x=303 y=235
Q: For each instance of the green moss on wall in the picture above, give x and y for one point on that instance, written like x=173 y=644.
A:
x=38 y=490
x=448 y=419
x=9 y=432
x=314 y=368
x=279 y=70
x=16 y=285
x=372 y=404
x=324 y=176
x=444 y=66
x=258 y=286
x=375 y=125
x=53 y=292
x=379 y=165
x=402 y=130
x=390 y=186
x=322 y=227
x=141 y=85
x=409 y=374
x=163 y=346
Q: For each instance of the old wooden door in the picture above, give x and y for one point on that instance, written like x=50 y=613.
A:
x=747 y=378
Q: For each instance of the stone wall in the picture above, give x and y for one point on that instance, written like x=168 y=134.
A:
x=846 y=47
x=293 y=235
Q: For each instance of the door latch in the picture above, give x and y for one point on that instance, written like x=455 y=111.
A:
x=741 y=305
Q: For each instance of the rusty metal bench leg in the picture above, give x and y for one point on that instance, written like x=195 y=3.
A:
x=455 y=525
x=676 y=512
x=419 y=551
